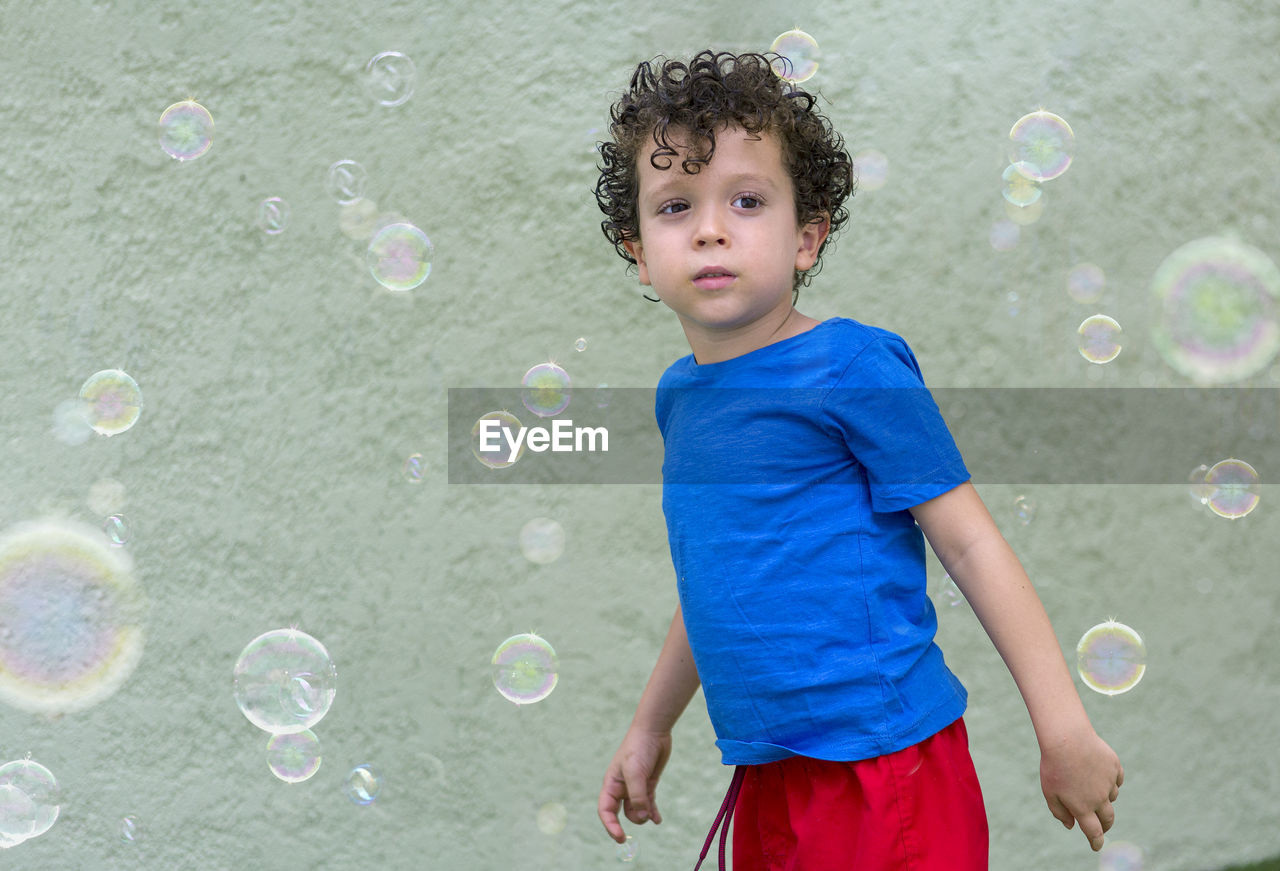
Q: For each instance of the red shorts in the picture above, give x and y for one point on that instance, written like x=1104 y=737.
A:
x=919 y=809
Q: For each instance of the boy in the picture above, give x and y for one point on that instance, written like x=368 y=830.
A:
x=795 y=515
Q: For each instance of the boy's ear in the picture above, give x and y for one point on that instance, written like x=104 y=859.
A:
x=636 y=249
x=811 y=237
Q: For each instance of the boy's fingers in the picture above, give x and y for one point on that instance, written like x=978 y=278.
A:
x=637 y=804
x=1061 y=814
x=1107 y=816
x=607 y=808
x=1092 y=830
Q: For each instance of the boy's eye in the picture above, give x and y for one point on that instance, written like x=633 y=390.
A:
x=747 y=201
x=672 y=207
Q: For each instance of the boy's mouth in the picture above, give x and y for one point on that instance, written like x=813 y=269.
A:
x=713 y=278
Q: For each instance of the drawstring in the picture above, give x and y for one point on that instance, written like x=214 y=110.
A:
x=726 y=813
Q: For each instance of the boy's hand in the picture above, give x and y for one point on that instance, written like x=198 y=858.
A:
x=1081 y=776
x=631 y=780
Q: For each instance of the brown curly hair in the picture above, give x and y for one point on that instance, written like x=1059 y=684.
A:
x=711 y=90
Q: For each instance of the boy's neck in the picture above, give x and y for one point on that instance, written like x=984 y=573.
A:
x=718 y=346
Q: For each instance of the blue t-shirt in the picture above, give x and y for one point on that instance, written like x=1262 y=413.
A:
x=786 y=478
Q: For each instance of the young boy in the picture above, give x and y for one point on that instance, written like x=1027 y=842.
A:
x=803 y=460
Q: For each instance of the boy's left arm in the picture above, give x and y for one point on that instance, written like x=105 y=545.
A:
x=1079 y=773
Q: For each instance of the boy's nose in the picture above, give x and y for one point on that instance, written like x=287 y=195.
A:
x=711 y=230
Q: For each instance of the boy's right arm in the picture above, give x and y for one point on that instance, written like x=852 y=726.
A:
x=632 y=776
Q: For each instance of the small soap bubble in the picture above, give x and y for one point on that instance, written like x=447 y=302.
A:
x=346 y=181
x=552 y=818
x=273 y=216
x=628 y=850
x=114 y=401
x=30 y=799
x=1020 y=186
x=1085 y=282
x=546 y=389
x=117 y=530
x=948 y=593
x=1043 y=143
x=389 y=78
x=1099 y=339
x=72 y=423
x=129 y=833
x=603 y=395
x=542 y=540
x=871 y=168
x=1004 y=235
x=413 y=469
x=1024 y=216
x=580 y=344
x=1120 y=856
x=799 y=56
x=1200 y=491
x=1216 y=318
x=399 y=256
x=492 y=437
x=362 y=785
x=186 y=130
x=524 y=669
x=1233 y=488
x=1111 y=658
x=294 y=757
x=284 y=681
x=1024 y=510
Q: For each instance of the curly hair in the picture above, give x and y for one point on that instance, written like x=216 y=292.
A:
x=711 y=90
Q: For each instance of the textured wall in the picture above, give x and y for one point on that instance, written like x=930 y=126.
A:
x=283 y=390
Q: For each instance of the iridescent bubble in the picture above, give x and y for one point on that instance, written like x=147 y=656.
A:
x=284 y=681
x=1200 y=491
x=580 y=344
x=1216 y=320
x=552 y=818
x=546 y=390
x=295 y=756
x=1020 y=186
x=389 y=77
x=542 y=540
x=871 y=168
x=186 y=130
x=1111 y=658
x=399 y=256
x=346 y=181
x=603 y=395
x=273 y=216
x=799 y=56
x=1004 y=235
x=628 y=850
x=1025 y=216
x=1099 y=340
x=129 y=832
x=362 y=785
x=1233 y=488
x=413 y=469
x=948 y=593
x=114 y=401
x=33 y=801
x=524 y=669
x=1043 y=143
x=1120 y=856
x=71 y=617
x=71 y=422
x=492 y=437
x=117 y=530
x=1085 y=282
x=1024 y=510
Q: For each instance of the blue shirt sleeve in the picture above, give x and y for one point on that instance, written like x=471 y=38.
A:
x=893 y=427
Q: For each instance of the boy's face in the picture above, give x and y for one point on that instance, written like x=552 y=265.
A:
x=721 y=247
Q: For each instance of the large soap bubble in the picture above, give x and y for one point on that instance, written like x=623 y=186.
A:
x=186 y=130
x=1111 y=658
x=284 y=681
x=525 y=669
x=113 y=401
x=1041 y=144
x=30 y=801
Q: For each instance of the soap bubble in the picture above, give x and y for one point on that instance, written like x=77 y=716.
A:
x=71 y=424
x=1216 y=318
x=552 y=818
x=948 y=593
x=799 y=59
x=1120 y=856
x=117 y=531
x=1004 y=235
x=871 y=168
x=628 y=850
x=1111 y=658
x=273 y=216
x=546 y=390
x=580 y=344
x=1020 y=186
x=186 y=130
x=1024 y=510
x=1025 y=216
x=362 y=785
x=1200 y=491
x=1232 y=487
x=413 y=469
x=346 y=181
x=1085 y=282
x=1042 y=143
x=71 y=617
x=129 y=833
x=295 y=756
x=1099 y=339
x=388 y=78
x=542 y=540
x=114 y=401
x=30 y=799
x=524 y=669
x=492 y=437
x=399 y=256
x=284 y=681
